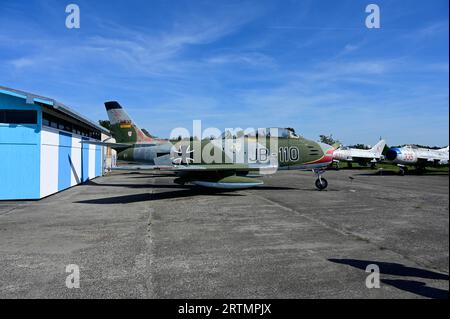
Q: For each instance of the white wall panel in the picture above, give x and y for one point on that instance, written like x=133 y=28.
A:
x=49 y=162
x=91 y=161
x=75 y=177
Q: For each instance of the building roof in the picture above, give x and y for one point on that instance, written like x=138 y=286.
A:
x=33 y=98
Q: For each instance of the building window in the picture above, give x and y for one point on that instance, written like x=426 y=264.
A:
x=18 y=116
x=56 y=122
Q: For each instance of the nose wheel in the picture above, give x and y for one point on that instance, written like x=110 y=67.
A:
x=321 y=183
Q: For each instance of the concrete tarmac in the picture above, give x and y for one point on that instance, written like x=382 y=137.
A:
x=138 y=235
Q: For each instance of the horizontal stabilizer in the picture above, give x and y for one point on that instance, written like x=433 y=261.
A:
x=114 y=145
x=139 y=167
x=108 y=144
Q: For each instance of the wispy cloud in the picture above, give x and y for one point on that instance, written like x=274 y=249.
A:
x=234 y=63
x=350 y=48
x=430 y=30
x=254 y=59
x=22 y=62
x=137 y=50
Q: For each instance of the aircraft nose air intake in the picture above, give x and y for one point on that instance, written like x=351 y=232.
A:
x=392 y=154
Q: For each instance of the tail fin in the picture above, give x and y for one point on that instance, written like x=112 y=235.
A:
x=123 y=129
x=379 y=147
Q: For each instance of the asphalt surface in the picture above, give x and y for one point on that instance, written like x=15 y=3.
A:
x=141 y=236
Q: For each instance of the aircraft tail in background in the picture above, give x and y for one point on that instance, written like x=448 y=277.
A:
x=123 y=128
x=379 y=147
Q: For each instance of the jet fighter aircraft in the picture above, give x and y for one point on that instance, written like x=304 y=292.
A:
x=230 y=162
x=418 y=157
x=362 y=157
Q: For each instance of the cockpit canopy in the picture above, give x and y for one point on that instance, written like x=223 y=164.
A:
x=262 y=132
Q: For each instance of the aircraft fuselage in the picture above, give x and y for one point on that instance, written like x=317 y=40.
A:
x=420 y=157
x=292 y=153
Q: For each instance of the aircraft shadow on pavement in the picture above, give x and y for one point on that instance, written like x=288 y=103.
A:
x=149 y=186
x=417 y=287
x=180 y=192
x=395 y=269
x=134 y=198
x=152 y=175
x=177 y=186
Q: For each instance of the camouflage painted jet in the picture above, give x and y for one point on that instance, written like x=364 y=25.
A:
x=132 y=144
x=232 y=161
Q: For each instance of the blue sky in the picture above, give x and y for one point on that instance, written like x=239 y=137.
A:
x=309 y=64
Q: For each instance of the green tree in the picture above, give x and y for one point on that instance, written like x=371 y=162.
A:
x=360 y=146
x=328 y=139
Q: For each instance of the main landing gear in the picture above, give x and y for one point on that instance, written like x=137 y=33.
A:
x=321 y=183
x=403 y=170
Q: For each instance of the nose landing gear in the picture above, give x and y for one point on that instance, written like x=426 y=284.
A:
x=321 y=183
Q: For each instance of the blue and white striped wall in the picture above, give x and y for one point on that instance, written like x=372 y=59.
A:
x=37 y=161
x=65 y=161
x=19 y=153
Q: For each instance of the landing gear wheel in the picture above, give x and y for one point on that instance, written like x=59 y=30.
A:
x=321 y=183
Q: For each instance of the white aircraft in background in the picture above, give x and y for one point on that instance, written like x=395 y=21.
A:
x=362 y=157
x=418 y=157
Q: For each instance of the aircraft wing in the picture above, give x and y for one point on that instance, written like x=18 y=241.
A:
x=201 y=168
x=138 y=167
x=108 y=144
x=369 y=159
x=115 y=145
x=222 y=176
x=227 y=167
